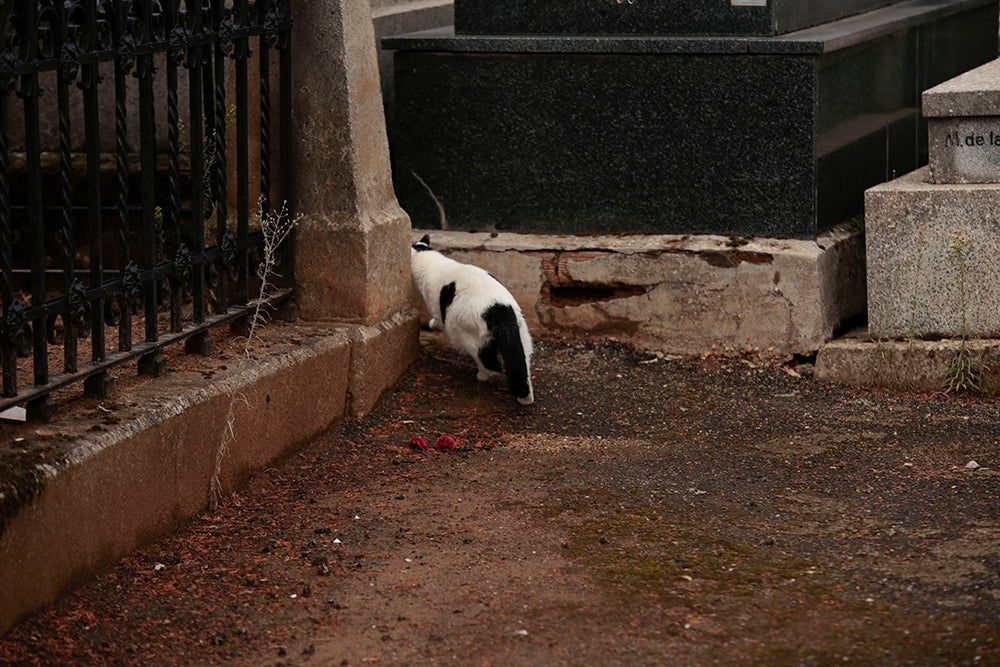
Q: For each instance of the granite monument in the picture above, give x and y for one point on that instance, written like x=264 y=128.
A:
x=743 y=117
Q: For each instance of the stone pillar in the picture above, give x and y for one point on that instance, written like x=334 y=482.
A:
x=352 y=249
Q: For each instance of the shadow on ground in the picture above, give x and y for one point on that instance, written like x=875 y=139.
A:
x=643 y=511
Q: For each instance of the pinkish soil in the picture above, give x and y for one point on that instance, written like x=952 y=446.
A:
x=644 y=511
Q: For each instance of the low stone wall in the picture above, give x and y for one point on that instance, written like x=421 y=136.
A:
x=677 y=294
x=114 y=475
x=99 y=492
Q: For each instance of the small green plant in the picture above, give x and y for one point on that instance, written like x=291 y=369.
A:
x=856 y=225
x=964 y=372
x=209 y=160
x=275 y=227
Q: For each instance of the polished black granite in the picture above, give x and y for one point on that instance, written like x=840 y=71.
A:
x=828 y=37
x=642 y=17
x=770 y=137
x=603 y=144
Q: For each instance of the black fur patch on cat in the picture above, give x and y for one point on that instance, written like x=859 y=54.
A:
x=447 y=296
x=502 y=325
x=488 y=355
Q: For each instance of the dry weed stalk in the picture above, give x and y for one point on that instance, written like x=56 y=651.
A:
x=964 y=372
x=275 y=227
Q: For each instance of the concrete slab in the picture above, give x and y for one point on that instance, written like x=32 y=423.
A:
x=379 y=355
x=906 y=365
x=963 y=127
x=681 y=294
x=974 y=93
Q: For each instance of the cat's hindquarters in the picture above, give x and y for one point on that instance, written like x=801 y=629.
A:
x=504 y=327
x=477 y=314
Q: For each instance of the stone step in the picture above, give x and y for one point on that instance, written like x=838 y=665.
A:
x=911 y=365
x=963 y=127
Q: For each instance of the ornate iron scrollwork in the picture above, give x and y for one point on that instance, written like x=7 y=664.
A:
x=272 y=26
x=126 y=52
x=226 y=40
x=228 y=247
x=69 y=59
x=16 y=324
x=8 y=71
x=178 y=44
x=18 y=329
x=132 y=287
x=282 y=24
x=183 y=265
x=79 y=308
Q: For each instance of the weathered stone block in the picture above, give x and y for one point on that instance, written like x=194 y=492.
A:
x=379 y=356
x=931 y=252
x=673 y=293
x=964 y=127
x=351 y=268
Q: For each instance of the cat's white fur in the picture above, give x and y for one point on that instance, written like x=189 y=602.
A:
x=475 y=292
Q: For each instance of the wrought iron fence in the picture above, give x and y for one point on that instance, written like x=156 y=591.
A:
x=112 y=224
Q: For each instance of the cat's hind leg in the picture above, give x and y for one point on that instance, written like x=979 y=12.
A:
x=488 y=362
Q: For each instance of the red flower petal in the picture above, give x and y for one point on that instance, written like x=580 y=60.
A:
x=445 y=443
x=417 y=442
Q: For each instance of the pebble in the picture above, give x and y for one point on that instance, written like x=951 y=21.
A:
x=972 y=465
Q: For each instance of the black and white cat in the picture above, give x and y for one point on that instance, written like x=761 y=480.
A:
x=478 y=315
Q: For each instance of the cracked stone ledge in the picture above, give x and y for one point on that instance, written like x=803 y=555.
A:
x=677 y=294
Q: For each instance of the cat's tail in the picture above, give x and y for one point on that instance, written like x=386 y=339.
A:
x=502 y=323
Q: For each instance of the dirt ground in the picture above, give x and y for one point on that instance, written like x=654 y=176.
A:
x=645 y=511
